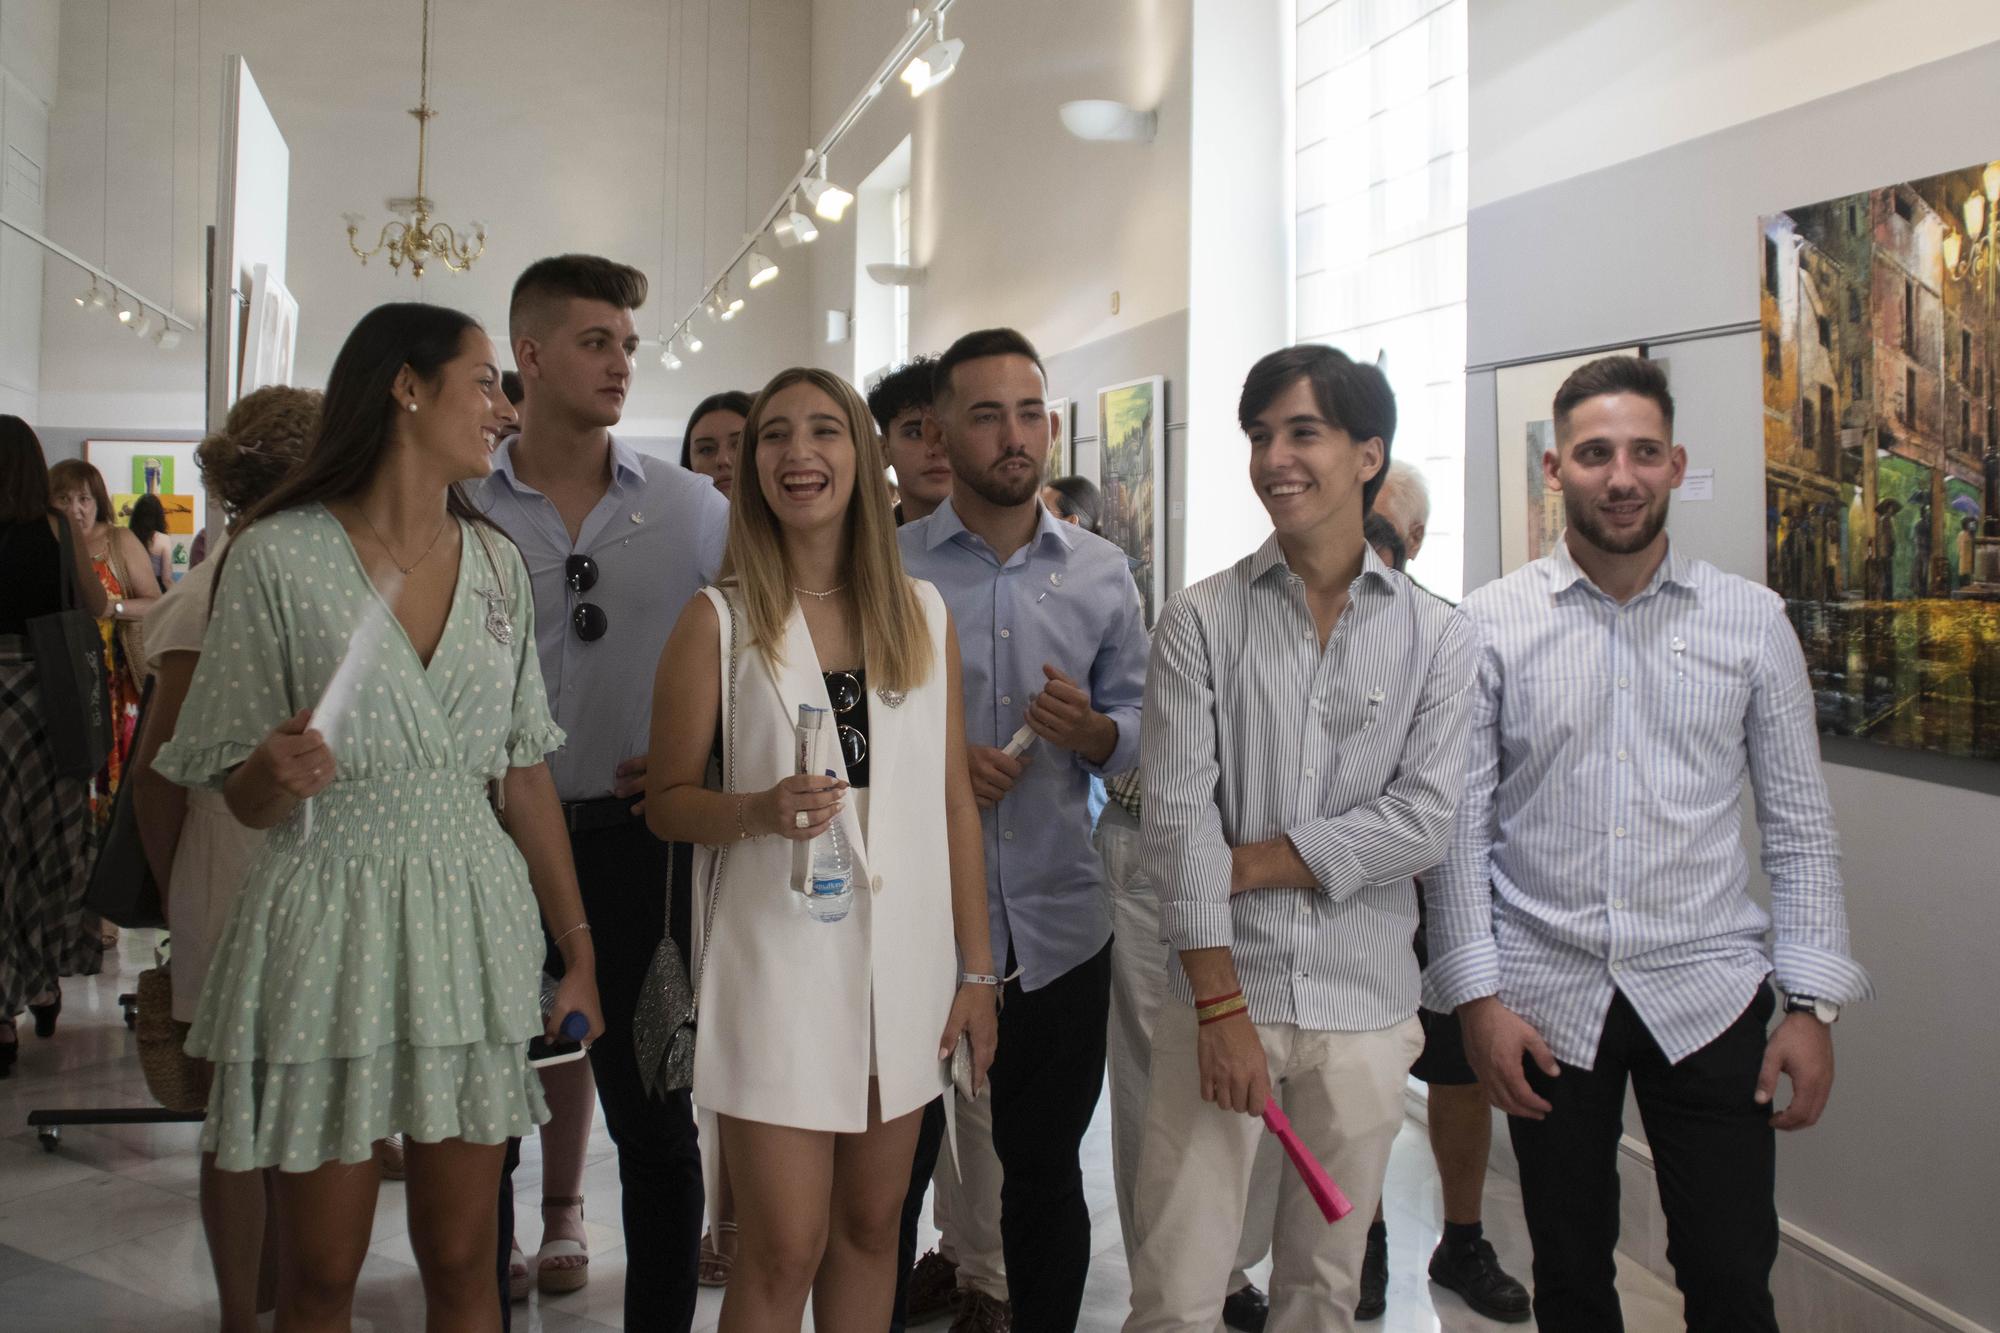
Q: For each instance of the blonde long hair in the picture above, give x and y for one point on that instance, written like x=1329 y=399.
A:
x=895 y=635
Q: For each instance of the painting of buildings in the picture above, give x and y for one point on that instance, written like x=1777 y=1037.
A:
x=1880 y=341
x=1131 y=435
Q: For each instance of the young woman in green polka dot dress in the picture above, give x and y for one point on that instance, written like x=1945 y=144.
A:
x=379 y=973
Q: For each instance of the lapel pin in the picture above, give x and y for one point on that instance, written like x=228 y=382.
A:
x=638 y=517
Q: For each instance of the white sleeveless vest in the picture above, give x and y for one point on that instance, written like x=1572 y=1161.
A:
x=788 y=1002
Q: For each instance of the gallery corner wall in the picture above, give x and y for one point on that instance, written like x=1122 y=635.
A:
x=1887 y=1201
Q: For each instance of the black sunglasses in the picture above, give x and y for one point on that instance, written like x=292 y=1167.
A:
x=588 y=619
x=843 y=691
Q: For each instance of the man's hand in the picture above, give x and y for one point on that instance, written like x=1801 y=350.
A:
x=1234 y=1074
x=629 y=779
x=1061 y=715
x=1801 y=1049
x=1495 y=1040
x=994 y=773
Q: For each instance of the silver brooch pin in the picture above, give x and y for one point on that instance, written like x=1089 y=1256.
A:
x=498 y=623
x=893 y=698
x=638 y=517
x=1056 y=579
x=1680 y=647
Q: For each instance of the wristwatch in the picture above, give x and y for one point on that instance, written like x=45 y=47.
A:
x=1826 y=1011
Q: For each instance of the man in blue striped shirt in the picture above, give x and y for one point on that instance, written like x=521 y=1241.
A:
x=1304 y=735
x=1593 y=923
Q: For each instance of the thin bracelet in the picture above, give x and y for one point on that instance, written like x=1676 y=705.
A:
x=977 y=979
x=742 y=827
x=581 y=925
x=1227 y=1009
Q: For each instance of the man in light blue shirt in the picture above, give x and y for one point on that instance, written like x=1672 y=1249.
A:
x=615 y=545
x=1052 y=636
x=1592 y=923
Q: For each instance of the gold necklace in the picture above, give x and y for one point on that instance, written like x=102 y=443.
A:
x=391 y=551
x=822 y=596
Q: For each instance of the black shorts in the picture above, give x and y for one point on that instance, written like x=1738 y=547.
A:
x=1443 y=1059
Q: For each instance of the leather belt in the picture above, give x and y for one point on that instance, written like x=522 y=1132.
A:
x=601 y=813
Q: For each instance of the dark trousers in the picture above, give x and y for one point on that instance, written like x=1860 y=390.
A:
x=1714 y=1154
x=623 y=872
x=930 y=1140
x=1046 y=1080
x=512 y=1160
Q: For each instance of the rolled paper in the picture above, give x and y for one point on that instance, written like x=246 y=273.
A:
x=1319 y=1184
x=1018 y=746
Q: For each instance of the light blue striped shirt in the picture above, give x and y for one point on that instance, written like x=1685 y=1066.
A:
x=1599 y=840
x=1353 y=751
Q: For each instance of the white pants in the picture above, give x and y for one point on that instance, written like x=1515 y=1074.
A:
x=1344 y=1094
x=965 y=1201
x=1139 y=962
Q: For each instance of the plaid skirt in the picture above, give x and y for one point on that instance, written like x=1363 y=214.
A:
x=45 y=847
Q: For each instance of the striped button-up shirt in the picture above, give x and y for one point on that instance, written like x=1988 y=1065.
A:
x=1599 y=842
x=1353 y=750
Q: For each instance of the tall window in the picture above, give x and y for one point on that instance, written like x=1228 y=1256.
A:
x=1380 y=231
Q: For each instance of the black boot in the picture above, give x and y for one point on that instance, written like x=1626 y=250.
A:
x=1471 y=1268
x=1374 y=1300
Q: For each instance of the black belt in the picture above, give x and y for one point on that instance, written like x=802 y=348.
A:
x=602 y=813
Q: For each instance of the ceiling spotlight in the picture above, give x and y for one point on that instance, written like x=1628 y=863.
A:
x=1097 y=120
x=93 y=297
x=142 y=325
x=714 y=307
x=667 y=358
x=934 y=64
x=690 y=341
x=98 y=300
x=795 y=228
x=168 y=338
x=762 y=270
x=126 y=316
x=898 y=275
x=828 y=200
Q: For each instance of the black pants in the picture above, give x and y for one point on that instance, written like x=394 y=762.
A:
x=512 y=1160
x=1714 y=1154
x=930 y=1139
x=622 y=872
x=1046 y=1080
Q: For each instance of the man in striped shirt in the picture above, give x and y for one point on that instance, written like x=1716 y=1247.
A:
x=1593 y=921
x=1303 y=739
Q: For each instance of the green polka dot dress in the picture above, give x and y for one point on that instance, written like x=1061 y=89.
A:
x=379 y=972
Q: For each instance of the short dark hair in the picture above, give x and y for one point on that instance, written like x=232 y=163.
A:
x=24 y=473
x=907 y=386
x=729 y=400
x=1078 y=497
x=510 y=384
x=587 y=277
x=1380 y=533
x=1614 y=374
x=977 y=346
x=1353 y=396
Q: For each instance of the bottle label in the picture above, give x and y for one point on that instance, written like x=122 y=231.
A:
x=829 y=886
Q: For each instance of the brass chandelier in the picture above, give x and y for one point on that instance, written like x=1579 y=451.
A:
x=413 y=238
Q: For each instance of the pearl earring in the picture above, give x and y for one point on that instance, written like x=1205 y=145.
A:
x=413 y=407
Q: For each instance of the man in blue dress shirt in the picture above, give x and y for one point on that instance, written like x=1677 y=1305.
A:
x=1592 y=924
x=615 y=543
x=1053 y=638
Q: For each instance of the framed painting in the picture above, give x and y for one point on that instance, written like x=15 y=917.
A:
x=165 y=468
x=1132 y=474
x=1062 y=449
x=273 y=333
x=1530 y=517
x=1879 y=315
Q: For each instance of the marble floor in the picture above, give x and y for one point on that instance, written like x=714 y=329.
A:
x=103 y=1235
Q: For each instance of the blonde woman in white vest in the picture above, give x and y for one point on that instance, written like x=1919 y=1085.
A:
x=819 y=1043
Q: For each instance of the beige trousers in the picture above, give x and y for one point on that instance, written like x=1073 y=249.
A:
x=1344 y=1094
x=965 y=1201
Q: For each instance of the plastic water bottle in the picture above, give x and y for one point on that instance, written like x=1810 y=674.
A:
x=575 y=1027
x=830 y=865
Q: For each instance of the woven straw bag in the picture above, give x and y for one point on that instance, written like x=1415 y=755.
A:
x=176 y=1079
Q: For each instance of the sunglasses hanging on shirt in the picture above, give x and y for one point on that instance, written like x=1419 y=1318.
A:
x=844 y=691
x=588 y=619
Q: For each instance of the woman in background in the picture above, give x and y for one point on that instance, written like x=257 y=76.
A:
x=1075 y=500
x=714 y=437
x=149 y=524
x=44 y=817
x=193 y=844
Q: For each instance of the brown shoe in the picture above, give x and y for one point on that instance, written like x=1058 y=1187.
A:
x=933 y=1291
x=980 y=1313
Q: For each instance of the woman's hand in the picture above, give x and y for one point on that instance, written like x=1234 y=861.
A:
x=778 y=810
x=294 y=758
x=576 y=993
x=975 y=1013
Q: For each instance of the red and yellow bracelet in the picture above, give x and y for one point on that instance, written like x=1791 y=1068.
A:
x=1220 y=1007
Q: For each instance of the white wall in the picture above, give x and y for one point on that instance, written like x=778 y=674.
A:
x=553 y=129
x=1562 y=87
x=1019 y=223
x=28 y=30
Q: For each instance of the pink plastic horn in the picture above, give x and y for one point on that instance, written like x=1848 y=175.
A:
x=1325 y=1193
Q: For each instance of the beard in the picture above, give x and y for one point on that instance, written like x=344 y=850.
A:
x=1584 y=520
x=999 y=491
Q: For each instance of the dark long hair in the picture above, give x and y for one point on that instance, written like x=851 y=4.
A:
x=357 y=415
x=149 y=518
x=729 y=400
x=24 y=473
